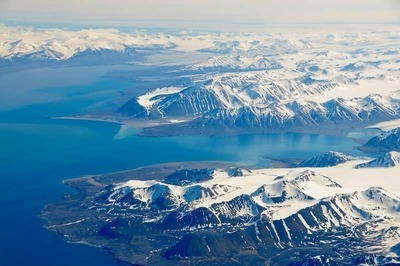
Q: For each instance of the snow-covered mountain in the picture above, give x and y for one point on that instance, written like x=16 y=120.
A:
x=243 y=50
x=187 y=192
x=303 y=114
x=29 y=44
x=385 y=142
x=390 y=159
x=268 y=211
x=230 y=90
x=325 y=224
x=221 y=200
x=327 y=159
x=239 y=98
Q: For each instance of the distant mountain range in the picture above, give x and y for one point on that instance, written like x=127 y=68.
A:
x=235 y=62
x=52 y=45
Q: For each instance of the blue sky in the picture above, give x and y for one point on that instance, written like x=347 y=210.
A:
x=208 y=12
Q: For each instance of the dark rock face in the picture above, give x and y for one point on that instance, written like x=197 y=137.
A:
x=385 y=142
x=133 y=108
x=396 y=249
x=235 y=172
x=187 y=177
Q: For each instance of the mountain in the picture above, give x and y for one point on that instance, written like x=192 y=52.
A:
x=187 y=192
x=390 y=159
x=329 y=223
x=247 y=45
x=258 y=101
x=303 y=180
x=316 y=230
x=330 y=158
x=385 y=142
x=225 y=91
x=157 y=196
x=47 y=45
x=299 y=115
x=192 y=199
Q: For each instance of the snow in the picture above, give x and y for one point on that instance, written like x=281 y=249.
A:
x=148 y=99
x=303 y=221
x=290 y=209
x=287 y=230
x=175 y=121
x=364 y=88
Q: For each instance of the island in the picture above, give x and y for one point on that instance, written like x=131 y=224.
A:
x=201 y=213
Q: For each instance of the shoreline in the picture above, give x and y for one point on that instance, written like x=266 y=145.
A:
x=83 y=118
x=160 y=128
x=156 y=128
x=96 y=178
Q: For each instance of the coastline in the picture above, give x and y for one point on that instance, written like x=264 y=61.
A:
x=61 y=217
x=166 y=128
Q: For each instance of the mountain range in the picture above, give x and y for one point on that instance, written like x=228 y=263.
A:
x=255 y=217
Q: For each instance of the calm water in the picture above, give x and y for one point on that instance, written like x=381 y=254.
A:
x=37 y=153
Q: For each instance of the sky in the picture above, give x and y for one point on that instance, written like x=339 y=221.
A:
x=208 y=12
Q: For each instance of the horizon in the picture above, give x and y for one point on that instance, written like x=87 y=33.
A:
x=206 y=15
x=191 y=26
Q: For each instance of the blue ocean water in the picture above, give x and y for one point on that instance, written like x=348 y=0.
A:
x=37 y=153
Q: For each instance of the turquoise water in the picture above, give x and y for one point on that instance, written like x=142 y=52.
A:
x=37 y=153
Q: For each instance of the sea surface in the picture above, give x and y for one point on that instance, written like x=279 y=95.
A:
x=37 y=152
